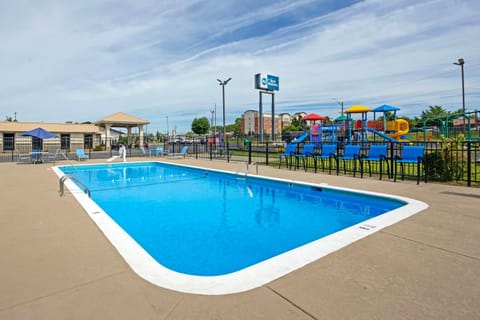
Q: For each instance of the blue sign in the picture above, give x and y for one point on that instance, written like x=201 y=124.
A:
x=267 y=82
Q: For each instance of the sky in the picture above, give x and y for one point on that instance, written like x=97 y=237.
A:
x=160 y=60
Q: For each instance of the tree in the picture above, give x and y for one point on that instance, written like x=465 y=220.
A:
x=200 y=125
x=236 y=127
x=434 y=112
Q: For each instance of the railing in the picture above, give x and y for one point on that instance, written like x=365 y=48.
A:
x=450 y=162
x=66 y=177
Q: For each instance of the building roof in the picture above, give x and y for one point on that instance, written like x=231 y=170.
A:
x=14 y=126
x=121 y=119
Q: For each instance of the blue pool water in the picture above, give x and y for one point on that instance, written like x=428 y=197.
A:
x=209 y=223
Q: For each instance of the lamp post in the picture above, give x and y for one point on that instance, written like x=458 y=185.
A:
x=460 y=63
x=223 y=84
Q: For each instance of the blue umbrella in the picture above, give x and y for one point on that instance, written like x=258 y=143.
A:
x=39 y=133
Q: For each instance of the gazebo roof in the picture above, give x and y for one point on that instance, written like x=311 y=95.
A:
x=121 y=119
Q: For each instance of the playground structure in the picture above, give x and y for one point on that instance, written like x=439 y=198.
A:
x=345 y=128
x=452 y=125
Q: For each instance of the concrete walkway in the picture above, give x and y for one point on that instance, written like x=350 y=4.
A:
x=56 y=264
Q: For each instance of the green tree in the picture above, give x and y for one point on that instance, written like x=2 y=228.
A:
x=434 y=112
x=200 y=125
x=296 y=123
x=235 y=127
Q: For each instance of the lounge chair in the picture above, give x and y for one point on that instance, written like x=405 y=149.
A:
x=37 y=156
x=158 y=151
x=52 y=157
x=144 y=151
x=23 y=158
x=81 y=154
x=350 y=153
x=329 y=152
x=412 y=155
x=182 y=153
x=306 y=153
x=290 y=150
x=375 y=153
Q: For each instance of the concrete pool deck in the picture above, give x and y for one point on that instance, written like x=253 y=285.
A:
x=56 y=264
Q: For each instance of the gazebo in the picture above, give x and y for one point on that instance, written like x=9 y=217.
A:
x=121 y=120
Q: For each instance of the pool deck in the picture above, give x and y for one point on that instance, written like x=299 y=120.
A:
x=56 y=264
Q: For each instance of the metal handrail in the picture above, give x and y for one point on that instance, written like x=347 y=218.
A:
x=62 y=185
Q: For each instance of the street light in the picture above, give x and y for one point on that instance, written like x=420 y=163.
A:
x=223 y=84
x=460 y=63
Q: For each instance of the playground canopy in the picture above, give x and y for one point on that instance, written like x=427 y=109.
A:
x=385 y=108
x=314 y=116
x=357 y=109
x=341 y=118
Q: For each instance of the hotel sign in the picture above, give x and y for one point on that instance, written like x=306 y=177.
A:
x=266 y=82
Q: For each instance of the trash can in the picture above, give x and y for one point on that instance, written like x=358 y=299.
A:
x=246 y=143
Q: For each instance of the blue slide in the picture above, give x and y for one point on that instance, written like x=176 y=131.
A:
x=302 y=137
x=381 y=134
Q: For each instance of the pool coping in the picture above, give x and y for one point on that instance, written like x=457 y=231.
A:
x=251 y=277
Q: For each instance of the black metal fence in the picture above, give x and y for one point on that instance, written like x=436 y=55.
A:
x=448 y=162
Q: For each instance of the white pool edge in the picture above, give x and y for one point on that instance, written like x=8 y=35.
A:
x=249 y=278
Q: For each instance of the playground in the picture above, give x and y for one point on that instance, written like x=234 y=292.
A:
x=357 y=125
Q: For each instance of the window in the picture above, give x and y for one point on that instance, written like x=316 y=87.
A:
x=8 y=141
x=88 y=141
x=65 y=142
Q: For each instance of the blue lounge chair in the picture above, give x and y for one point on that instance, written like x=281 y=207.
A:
x=329 y=152
x=306 y=153
x=412 y=155
x=350 y=153
x=81 y=154
x=182 y=153
x=158 y=151
x=375 y=153
x=37 y=156
x=144 y=151
x=290 y=150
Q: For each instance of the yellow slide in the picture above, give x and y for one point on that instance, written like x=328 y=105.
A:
x=401 y=128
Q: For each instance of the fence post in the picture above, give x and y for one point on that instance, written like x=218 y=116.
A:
x=250 y=153
x=266 y=153
x=228 y=152
x=211 y=151
x=392 y=159
x=469 y=163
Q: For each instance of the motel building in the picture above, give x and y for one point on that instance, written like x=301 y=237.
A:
x=69 y=136
x=250 y=122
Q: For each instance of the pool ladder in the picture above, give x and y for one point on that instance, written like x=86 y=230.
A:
x=61 y=190
x=253 y=164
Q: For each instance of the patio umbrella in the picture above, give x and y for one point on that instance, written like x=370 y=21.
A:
x=39 y=133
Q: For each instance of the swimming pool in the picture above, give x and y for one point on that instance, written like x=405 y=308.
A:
x=214 y=232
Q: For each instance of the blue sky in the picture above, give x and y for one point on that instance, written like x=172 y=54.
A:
x=84 y=60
